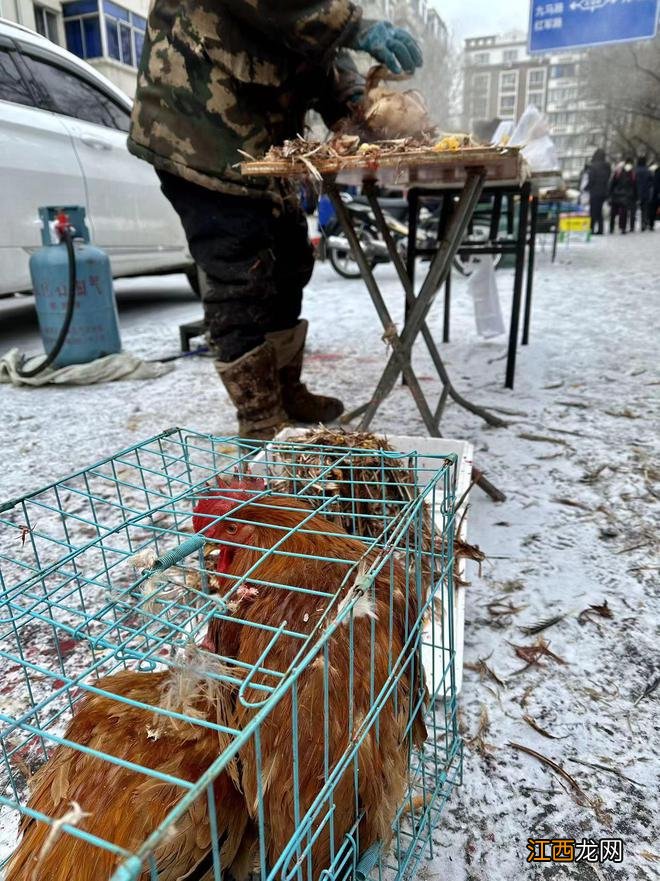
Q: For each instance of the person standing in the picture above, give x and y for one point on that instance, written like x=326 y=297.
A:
x=644 y=187
x=599 y=172
x=655 y=199
x=217 y=81
x=622 y=195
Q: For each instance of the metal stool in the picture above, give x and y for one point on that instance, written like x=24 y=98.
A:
x=189 y=331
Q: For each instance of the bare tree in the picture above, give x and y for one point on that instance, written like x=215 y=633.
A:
x=625 y=81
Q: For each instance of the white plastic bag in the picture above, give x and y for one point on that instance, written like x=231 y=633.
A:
x=503 y=132
x=486 y=298
x=531 y=126
x=533 y=135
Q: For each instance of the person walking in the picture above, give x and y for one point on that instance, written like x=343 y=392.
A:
x=622 y=195
x=217 y=81
x=644 y=189
x=599 y=172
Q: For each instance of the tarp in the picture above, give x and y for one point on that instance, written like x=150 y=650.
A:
x=108 y=369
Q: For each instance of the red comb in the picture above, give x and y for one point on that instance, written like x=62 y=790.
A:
x=218 y=501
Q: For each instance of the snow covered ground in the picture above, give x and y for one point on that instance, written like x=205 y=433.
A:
x=579 y=464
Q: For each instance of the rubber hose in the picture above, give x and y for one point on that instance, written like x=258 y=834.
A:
x=70 y=306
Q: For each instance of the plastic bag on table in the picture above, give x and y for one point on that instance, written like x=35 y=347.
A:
x=486 y=298
x=533 y=135
x=503 y=133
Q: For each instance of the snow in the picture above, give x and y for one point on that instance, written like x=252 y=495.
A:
x=577 y=528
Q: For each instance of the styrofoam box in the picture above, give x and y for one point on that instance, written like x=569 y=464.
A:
x=427 y=447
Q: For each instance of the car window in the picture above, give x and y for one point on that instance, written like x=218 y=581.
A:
x=71 y=95
x=12 y=85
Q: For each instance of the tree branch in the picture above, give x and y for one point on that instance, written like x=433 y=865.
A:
x=643 y=69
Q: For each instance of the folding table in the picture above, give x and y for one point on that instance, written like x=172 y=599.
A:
x=468 y=170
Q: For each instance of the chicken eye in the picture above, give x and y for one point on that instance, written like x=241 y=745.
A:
x=232 y=528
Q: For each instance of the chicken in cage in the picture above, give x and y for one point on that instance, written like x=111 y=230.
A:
x=213 y=669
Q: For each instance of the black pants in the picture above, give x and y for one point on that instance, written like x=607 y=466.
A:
x=596 y=206
x=620 y=210
x=257 y=262
x=645 y=213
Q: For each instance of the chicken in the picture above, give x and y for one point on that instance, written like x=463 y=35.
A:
x=392 y=114
x=365 y=654
x=124 y=806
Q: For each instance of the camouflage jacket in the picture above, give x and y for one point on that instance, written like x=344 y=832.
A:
x=220 y=76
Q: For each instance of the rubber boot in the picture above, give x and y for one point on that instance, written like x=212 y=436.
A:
x=299 y=403
x=253 y=384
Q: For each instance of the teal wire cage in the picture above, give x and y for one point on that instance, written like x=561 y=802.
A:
x=223 y=659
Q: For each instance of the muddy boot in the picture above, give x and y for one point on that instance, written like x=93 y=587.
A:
x=253 y=385
x=300 y=404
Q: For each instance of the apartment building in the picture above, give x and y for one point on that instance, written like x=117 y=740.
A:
x=500 y=79
x=108 y=35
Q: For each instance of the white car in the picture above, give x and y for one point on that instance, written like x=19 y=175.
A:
x=63 y=142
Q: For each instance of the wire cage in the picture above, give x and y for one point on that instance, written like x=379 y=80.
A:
x=212 y=664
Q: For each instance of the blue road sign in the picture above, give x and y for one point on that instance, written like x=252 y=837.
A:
x=572 y=24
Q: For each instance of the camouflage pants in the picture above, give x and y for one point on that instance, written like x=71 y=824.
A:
x=257 y=262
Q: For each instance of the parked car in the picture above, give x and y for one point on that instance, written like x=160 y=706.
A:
x=63 y=142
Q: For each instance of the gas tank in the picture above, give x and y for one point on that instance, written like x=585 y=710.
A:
x=94 y=330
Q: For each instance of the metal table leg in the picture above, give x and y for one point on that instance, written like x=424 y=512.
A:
x=447 y=314
x=400 y=352
x=411 y=300
x=448 y=389
x=530 y=270
x=436 y=276
x=518 y=285
x=555 y=238
x=495 y=217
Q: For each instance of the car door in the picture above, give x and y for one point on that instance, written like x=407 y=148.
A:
x=38 y=167
x=129 y=216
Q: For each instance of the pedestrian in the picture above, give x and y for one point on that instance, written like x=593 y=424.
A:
x=655 y=200
x=218 y=80
x=644 y=189
x=599 y=172
x=622 y=195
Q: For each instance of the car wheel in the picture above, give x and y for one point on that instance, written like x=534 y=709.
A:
x=342 y=261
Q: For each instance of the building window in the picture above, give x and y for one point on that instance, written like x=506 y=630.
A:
x=482 y=58
x=536 y=87
x=88 y=22
x=510 y=55
x=46 y=23
x=563 y=119
x=508 y=97
x=566 y=95
x=480 y=96
x=557 y=71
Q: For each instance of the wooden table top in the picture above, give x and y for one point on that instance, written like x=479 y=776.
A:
x=419 y=168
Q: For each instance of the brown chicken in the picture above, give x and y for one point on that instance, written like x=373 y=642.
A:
x=124 y=806
x=365 y=654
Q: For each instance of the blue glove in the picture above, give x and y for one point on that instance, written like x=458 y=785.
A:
x=392 y=46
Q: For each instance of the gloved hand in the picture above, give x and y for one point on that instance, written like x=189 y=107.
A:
x=392 y=46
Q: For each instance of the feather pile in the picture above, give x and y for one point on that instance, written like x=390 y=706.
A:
x=385 y=123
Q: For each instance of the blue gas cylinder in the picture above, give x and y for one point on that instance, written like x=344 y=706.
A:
x=94 y=330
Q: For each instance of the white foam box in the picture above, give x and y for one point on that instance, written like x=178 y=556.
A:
x=427 y=448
